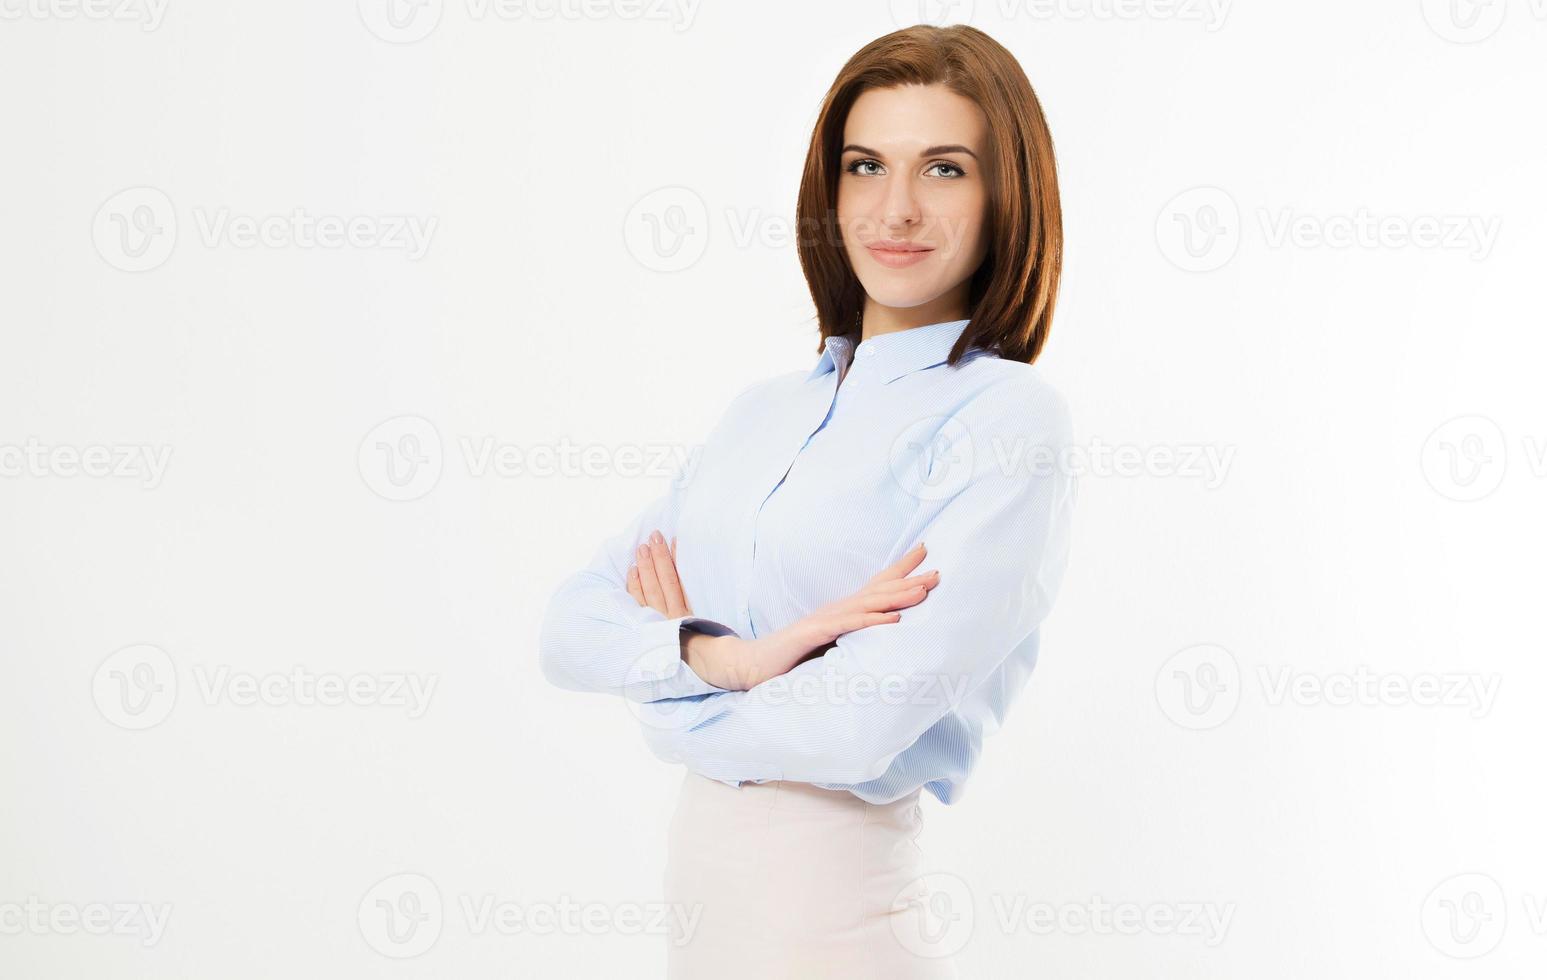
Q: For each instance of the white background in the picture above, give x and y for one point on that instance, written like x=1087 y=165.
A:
x=1355 y=527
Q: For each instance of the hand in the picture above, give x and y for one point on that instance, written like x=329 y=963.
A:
x=736 y=664
x=653 y=580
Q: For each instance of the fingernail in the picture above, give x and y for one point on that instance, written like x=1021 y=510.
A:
x=643 y=551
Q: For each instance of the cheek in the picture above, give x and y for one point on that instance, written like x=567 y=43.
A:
x=857 y=212
x=963 y=226
x=852 y=201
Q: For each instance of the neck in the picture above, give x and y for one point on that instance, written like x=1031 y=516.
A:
x=878 y=320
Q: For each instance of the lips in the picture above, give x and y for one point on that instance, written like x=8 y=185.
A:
x=897 y=255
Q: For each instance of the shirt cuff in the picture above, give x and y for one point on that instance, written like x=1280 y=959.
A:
x=660 y=662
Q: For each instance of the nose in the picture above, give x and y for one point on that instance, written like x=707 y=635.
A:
x=901 y=205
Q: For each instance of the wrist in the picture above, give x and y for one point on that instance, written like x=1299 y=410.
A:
x=713 y=659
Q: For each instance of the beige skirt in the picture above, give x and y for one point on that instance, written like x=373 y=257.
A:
x=780 y=880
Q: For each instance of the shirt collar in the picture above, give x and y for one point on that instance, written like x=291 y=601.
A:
x=894 y=355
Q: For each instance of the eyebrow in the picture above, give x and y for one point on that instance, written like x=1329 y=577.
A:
x=932 y=151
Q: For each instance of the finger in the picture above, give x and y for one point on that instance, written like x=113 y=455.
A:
x=685 y=603
x=816 y=630
x=842 y=623
x=877 y=596
x=884 y=601
x=902 y=566
x=666 y=574
x=634 y=588
x=648 y=581
x=928 y=580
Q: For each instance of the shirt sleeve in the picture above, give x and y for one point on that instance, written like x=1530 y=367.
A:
x=596 y=637
x=999 y=538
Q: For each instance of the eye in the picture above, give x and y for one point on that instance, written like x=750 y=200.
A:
x=955 y=170
x=853 y=168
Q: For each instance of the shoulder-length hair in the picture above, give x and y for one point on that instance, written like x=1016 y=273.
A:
x=1013 y=292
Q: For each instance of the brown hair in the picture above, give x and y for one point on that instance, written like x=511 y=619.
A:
x=1013 y=292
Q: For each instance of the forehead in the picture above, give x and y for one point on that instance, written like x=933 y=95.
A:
x=908 y=118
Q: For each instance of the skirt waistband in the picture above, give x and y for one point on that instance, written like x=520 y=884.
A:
x=784 y=794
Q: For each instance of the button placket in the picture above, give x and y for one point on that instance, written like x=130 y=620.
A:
x=750 y=565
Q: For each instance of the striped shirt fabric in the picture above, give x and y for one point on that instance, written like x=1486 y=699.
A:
x=811 y=483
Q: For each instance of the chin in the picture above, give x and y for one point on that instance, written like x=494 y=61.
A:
x=901 y=289
x=899 y=295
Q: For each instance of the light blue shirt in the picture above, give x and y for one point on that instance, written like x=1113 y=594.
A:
x=810 y=484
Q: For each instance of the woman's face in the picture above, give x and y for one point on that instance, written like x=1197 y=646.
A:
x=913 y=197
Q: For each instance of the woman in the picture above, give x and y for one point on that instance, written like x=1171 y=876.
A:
x=766 y=619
